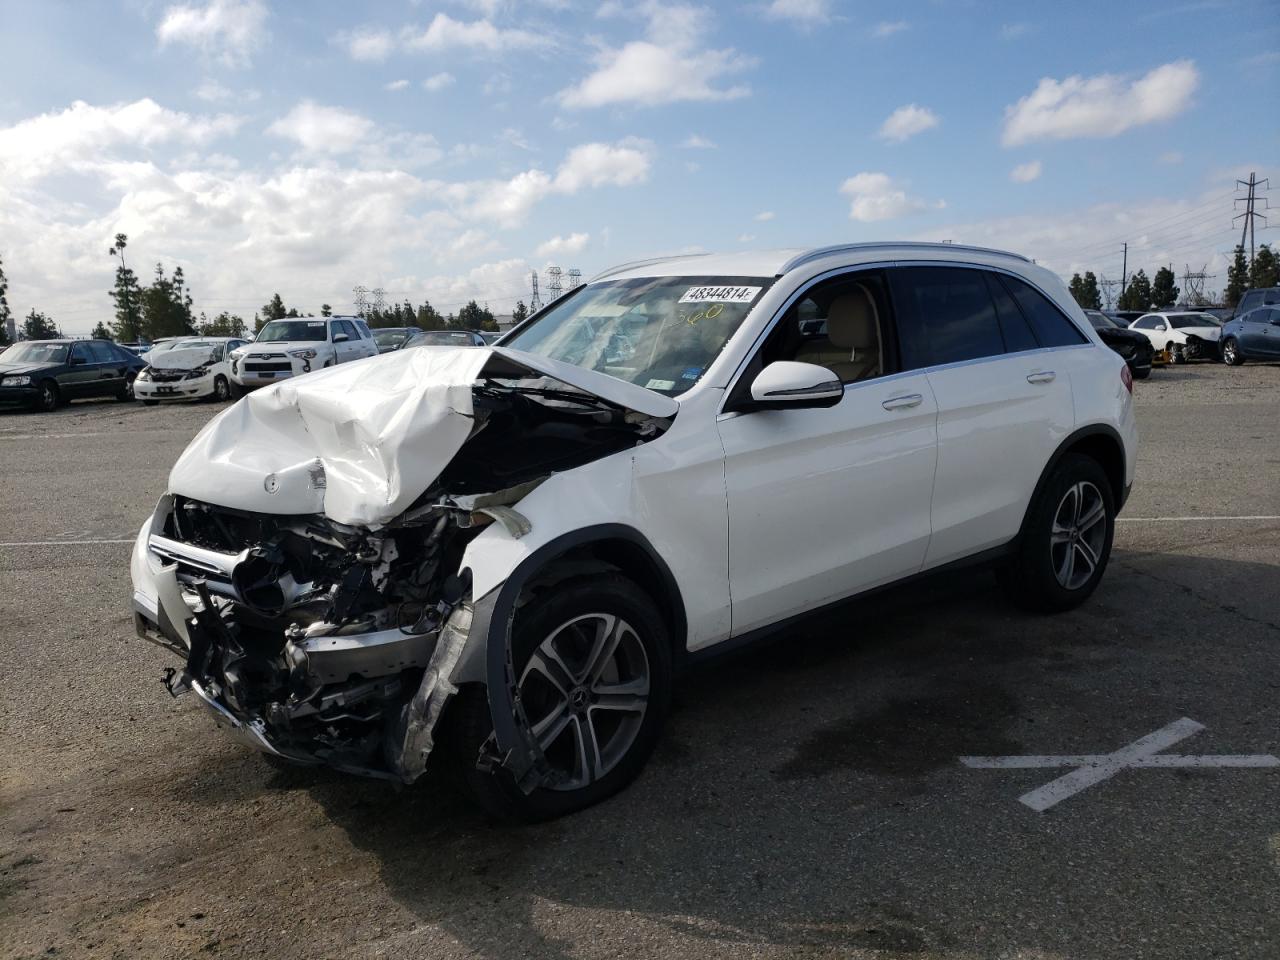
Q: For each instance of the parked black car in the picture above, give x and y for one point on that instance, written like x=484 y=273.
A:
x=43 y=374
x=1251 y=336
x=393 y=338
x=446 y=338
x=1135 y=348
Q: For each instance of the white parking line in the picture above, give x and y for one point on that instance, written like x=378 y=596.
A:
x=57 y=543
x=1192 y=519
x=1092 y=769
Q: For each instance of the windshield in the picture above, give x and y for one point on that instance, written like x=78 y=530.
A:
x=35 y=352
x=444 y=338
x=280 y=330
x=1181 y=321
x=389 y=338
x=659 y=332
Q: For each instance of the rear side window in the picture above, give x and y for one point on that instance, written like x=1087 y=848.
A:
x=1051 y=325
x=100 y=352
x=1014 y=326
x=945 y=315
x=363 y=329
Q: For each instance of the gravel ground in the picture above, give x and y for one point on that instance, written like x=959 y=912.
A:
x=806 y=801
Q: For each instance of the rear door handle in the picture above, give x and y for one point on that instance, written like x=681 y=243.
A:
x=1042 y=376
x=903 y=403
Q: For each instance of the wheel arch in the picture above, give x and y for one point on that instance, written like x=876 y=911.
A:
x=608 y=546
x=1099 y=441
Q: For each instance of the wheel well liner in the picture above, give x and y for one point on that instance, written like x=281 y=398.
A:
x=615 y=544
x=1103 y=444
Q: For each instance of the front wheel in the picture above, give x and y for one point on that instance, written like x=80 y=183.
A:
x=126 y=392
x=1067 y=539
x=221 y=389
x=593 y=667
x=1176 y=354
x=1231 y=352
x=48 y=398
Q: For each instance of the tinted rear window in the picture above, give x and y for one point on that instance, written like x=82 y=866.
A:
x=945 y=315
x=1051 y=325
x=1014 y=326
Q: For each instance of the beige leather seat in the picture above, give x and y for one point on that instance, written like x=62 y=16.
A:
x=852 y=347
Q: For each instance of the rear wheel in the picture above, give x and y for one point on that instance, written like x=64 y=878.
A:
x=1067 y=539
x=221 y=389
x=593 y=662
x=1231 y=352
x=126 y=392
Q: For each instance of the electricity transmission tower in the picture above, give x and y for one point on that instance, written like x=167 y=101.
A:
x=379 y=299
x=535 y=301
x=554 y=285
x=362 y=299
x=1105 y=286
x=1193 y=285
x=1250 y=214
x=575 y=278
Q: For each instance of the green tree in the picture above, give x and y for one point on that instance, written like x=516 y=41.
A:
x=166 y=306
x=326 y=310
x=521 y=312
x=475 y=317
x=39 y=327
x=1164 y=292
x=1264 y=271
x=100 y=331
x=1076 y=288
x=1092 y=295
x=428 y=317
x=1137 y=295
x=223 y=325
x=126 y=296
x=1237 y=277
x=5 y=312
x=274 y=309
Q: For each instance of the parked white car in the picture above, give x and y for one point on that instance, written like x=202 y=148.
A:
x=288 y=348
x=1185 y=335
x=194 y=368
x=540 y=534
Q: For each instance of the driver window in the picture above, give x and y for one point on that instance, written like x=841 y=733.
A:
x=838 y=324
x=80 y=351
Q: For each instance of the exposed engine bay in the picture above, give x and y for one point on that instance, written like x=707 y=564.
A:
x=332 y=643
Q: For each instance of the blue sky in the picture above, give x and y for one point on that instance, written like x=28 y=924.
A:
x=445 y=149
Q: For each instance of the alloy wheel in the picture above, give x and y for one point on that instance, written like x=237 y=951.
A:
x=1078 y=535
x=48 y=397
x=585 y=691
x=1229 y=351
x=220 y=390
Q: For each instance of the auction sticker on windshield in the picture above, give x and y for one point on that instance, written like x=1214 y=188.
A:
x=720 y=294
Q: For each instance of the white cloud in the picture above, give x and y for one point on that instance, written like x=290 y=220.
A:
x=438 y=81
x=696 y=142
x=1026 y=172
x=78 y=136
x=1011 y=31
x=804 y=12
x=1171 y=157
x=597 y=164
x=212 y=91
x=314 y=126
x=229 y=31
x=370 y=44
x=668 y=67
x=875 y=196
x=764 y=216
x=1102 y=106
x=906 y=122
x=561 y=246
x=746 y=237
x=887 y=28
x=396 y=85
x=445 y=34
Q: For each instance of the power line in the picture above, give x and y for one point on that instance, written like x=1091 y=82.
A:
x=1250 y=214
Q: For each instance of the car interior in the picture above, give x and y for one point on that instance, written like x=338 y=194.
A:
x=838 y=325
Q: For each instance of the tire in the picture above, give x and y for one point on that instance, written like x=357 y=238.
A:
x=151 y=403
x=236 y=390
x=1231 y=354
x=1043 y=574
x=49 y=398
x=126 y=393
x=221 y=390
x=568 y=618
x=1175 y=353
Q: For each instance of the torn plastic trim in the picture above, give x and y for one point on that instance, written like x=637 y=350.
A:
x=513 y=746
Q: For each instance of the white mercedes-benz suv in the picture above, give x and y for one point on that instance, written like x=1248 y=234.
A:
x=514 y=549
x=289 y=347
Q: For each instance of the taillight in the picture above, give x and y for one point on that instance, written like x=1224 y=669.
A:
x=1126 y=378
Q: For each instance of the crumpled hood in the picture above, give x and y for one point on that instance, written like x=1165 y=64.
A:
x=361 y=441
x=182 y=359
x=1204 y=333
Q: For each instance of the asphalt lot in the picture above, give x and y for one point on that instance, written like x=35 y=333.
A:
x=808 y=799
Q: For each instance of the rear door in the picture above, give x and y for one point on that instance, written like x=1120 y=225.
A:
x=111 y=369
x=1255 y=332
x=1004 y=399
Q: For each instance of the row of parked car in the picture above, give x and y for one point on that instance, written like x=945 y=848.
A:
x=44 y=374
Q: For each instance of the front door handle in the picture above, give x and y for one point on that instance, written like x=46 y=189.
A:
x=903 y=403
x=1041 y=376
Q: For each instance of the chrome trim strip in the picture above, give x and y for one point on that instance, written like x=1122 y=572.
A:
x=209 y=561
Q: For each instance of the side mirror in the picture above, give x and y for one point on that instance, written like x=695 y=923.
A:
x=788 y=384
x=340 y=338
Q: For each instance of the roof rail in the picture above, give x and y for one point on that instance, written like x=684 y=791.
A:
x=633 y=264
x=819 y=252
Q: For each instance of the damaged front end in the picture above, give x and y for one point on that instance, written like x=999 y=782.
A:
x=337 y=643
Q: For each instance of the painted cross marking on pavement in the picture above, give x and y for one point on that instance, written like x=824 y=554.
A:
x=1091 y=769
